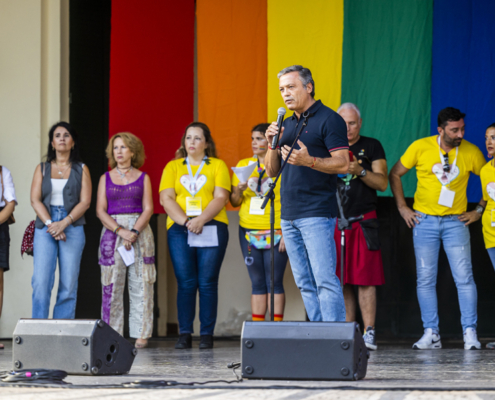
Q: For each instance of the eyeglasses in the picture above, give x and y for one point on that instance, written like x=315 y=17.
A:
x=446 y=165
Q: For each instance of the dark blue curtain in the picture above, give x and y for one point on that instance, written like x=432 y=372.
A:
x=463 y=74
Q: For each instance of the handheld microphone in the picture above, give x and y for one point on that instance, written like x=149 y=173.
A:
x=281 y=113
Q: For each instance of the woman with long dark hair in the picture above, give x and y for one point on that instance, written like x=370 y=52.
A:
x=194 y=191
x=60 y=195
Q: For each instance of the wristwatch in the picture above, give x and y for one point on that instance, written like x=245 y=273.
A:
x=479 y=209
x=48 y=222
x=363 y=173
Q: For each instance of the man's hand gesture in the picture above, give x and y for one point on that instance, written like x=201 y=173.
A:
x=298 y=157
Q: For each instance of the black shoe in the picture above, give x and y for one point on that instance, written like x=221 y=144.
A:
x=184 y=342
x=206 y=342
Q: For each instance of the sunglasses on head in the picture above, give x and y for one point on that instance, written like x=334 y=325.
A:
x=446 y=165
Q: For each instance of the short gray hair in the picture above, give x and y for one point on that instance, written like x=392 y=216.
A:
x=349 y=106
x=304 y=75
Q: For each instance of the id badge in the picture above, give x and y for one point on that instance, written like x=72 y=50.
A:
x=493 y=218
x=446 y=197
x=193 y=206
x=255 y=207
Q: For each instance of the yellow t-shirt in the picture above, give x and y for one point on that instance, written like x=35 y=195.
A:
x=488 y=187
x=215 y=174
x=251 y=221
x=424 y=155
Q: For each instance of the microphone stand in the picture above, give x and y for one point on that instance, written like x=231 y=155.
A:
x=343 y=224
x=271 y=196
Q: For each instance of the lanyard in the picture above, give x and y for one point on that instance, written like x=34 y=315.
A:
x=194 y=178
x=261 y=171
x=442 y=160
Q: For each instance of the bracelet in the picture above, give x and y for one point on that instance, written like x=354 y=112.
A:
x=72 y=219
x=118 y=228
x=135 y=231
x=314 y=162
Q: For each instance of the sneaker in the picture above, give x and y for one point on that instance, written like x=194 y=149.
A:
x=471 y=340
x=429 y=341
x=369 y=338
x=206 y=342
x=184 y=342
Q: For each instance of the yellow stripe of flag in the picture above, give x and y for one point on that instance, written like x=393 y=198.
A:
x=309 y=33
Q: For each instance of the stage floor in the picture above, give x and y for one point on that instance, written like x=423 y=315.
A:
x=393 y=369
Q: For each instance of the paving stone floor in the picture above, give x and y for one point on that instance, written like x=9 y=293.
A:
x=395 y=372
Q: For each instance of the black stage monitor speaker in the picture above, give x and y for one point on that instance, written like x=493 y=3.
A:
x=79 y=347
x=303 y=350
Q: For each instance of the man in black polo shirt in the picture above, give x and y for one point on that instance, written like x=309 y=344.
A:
x=308 y=191
x=363 y=259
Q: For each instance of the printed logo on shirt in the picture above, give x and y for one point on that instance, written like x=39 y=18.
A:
x=490 y=189
x=347 y=178
x=361 y=153
x=192 y=188
x=265 y=184
x=441 y=174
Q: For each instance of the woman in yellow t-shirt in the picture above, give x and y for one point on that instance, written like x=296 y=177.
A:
x=194 y=191
x=254 y=229
x=487 y=176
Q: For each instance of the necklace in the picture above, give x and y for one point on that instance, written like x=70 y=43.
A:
x=123 y=174
x=61 y=173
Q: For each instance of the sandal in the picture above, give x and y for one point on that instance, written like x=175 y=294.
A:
x=141 y=345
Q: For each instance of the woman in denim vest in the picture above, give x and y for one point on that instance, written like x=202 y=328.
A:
x=60 y=195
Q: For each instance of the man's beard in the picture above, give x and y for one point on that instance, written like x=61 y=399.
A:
x=451 y=142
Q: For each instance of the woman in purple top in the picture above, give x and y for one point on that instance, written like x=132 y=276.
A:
x=125 y=206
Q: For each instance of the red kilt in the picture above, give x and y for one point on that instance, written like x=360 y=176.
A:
x=362 y=267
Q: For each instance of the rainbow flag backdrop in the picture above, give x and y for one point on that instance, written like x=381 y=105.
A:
x=399 y=61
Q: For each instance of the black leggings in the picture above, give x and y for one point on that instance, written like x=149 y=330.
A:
x=4 y=246
x=260 y=267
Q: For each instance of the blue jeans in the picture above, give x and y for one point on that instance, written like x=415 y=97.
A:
x=311 y=248
x=46 y=251
x=197 y=269
x=260 y=266
x=428 y=234
x=491 y=253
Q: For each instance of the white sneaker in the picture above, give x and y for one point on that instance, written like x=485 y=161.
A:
x=429 y=341
x=471 y=340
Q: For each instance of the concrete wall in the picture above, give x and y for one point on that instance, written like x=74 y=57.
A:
x=31 y=56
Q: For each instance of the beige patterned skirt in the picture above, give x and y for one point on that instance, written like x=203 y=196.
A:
x=141 y=275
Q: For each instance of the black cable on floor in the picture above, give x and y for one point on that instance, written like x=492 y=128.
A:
x=44 y=376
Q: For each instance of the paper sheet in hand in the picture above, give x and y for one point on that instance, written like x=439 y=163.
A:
x=127 y=255
x=209 y=237
x=243 y=173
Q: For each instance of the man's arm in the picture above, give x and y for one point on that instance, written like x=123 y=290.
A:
x=377 y=178
x=472 y=216
x=397 y=172
x=272 y=158
x=338 y=163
